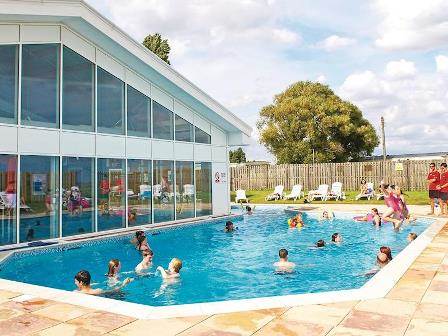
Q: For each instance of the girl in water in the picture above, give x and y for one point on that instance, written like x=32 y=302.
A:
x=393 y=212
x=373 y=217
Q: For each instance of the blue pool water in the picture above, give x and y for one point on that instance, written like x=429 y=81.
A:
x=224 y=266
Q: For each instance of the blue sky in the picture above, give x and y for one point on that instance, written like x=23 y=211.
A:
x=389 y=57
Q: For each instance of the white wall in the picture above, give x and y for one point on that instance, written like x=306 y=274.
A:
x=220 y=189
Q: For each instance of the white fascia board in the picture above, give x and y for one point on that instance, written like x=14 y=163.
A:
x=66 y=9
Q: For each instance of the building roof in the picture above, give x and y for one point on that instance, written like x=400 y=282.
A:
x=82 y=18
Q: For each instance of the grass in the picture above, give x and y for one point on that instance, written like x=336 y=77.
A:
x=258 y=196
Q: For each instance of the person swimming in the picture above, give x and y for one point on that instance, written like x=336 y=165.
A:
x=373 y=217
x=283 y=264
x=381 y=261
x=249 y=210
x=230 y=227
x=134 y=241
x=412 y=236
x=326 y=215
x=296 y=221
x=336 y=238
x=114 y=268
x=173 y=270
x=83 y=279
x=387 y=251
x=142 y=244
x=146 y=263
x=320 y=243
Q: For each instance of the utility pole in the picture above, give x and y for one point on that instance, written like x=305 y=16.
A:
x=383 y=139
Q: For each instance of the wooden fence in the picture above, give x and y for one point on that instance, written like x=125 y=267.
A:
x=409 y=174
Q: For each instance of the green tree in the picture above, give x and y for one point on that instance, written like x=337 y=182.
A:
x=308 y=116
x=158 y=46
x=237 y=156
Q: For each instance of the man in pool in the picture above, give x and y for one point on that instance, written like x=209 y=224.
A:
x=82 y=282
x=283 y=262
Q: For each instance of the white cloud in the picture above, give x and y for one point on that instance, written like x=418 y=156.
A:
x=335 y=42
x=442 y=63
x=321 y=79
x=400 y=69
x=413 y=107
x=412 y=24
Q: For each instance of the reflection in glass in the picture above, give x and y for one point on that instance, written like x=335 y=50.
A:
x=8 y=199
x=139 y=113
x=111 y=194
x=40 y=85
x=201 y=137
x=139 y=192
x=184 y=189
x=162 y=122
x=162 y=189
x=9 y=73
x=184 y=130
x=78 y=190
x=203 y=172
x=39 y=196
x=78 y=91
x=110 y=103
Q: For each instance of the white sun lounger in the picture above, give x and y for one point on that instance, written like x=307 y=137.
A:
x=241 y=196
x=320 y=193
x=336 y=192
x=277 y=194
x=296 y=192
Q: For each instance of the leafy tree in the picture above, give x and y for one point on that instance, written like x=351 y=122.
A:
x=237 y=156
x=158 y=46
x=308 y=116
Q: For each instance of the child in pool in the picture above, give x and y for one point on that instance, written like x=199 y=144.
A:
x=393 y=213
x=249 y=210
x=173 y=269
x=320 y=243
x=283 y=263
x=326 y=215
x=296 y=221
x=134 y=241
x=387 y=251
x=381 y=261
x=336 y=238
x=412 y=236
x=82 y=282
x=146 y=262
x=373 y=217
x=229 y=227
x=142 y=244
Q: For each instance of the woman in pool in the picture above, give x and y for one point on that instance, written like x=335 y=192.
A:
x=142 y=244
x=373 y=217
x=172 y=272
x=134 y=241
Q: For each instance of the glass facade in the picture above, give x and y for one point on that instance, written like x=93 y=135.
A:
x=203 y=171
x=110 y=104
x=9 y=74
x=139 y=113
x=184 y=130
x=163 y=124
x=163 y=191
x=8 y=199
x=78 y=195
x=111 y=190
x=139 y=192
x=78 y=92
x=201 y=137
x=39 y=197
x=40 y=85
x=184 y=189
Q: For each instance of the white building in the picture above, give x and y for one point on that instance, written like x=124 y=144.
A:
x=97 y=133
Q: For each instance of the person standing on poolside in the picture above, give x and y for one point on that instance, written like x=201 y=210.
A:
x=443 y=189
x=433 y=181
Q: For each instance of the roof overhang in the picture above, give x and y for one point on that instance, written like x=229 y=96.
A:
x=82 y=18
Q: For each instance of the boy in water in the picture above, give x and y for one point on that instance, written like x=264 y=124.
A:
x=82 y=282
x=173 y=269
x=283 y=261
x=146 y=263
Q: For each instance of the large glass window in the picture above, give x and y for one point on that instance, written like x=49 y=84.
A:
x=40 y=85
x=162 y=190
x=78 y=190
x=184 y=189
x=78 y=92
x=139 y=192
x=110 y=115
x=184 y=130
x=139 y=113
x=39 y=198
x=203 y=188
x=8 y=199
x=162 y=122
x=111 y=194
x=9 y=73
x=201 y=137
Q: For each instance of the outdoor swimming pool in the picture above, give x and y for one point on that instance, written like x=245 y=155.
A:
x=223 y=266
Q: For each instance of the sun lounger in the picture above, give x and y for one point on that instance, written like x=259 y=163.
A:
x=241 y=196
x=369 y=193
x=296 y=192
x=320 y=193
x=277 y=194
x=336 y=192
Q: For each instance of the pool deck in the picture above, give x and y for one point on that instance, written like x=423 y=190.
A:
x=416 y=305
